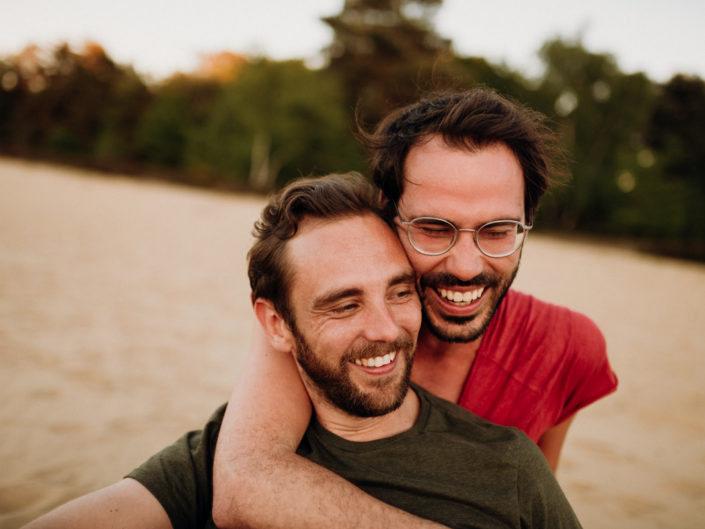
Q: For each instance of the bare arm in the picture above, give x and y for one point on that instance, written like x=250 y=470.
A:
x=551 y=442
x=124 y=504
x=259 y=481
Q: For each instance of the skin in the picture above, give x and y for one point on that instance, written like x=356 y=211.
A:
x=346 y=317
x=476 y=188
x=354 y=318
x=278 y=472
x=467 y=188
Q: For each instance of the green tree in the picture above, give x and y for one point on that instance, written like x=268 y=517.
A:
x=179 y=107
x=385 y=51
x=275 y=122
x=676 y=135
x=601 y=114
x=78 y=105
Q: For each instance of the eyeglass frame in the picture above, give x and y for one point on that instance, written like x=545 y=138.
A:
x=408 y=223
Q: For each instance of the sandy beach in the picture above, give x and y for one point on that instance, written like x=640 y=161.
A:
x=125 y=320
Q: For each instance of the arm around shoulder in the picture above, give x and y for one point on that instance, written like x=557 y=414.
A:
x=260 y=481
x=264 y=422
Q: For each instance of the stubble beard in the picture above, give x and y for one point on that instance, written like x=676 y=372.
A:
x=336 y=385
x=463 y=329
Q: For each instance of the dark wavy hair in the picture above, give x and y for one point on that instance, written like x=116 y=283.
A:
x=329 y=197
x=470 y=119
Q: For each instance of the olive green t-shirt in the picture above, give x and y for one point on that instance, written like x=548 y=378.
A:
x=451 y=467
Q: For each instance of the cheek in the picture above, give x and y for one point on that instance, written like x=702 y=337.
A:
x=505 y=266
x=409 y=317
x=421 y=263
x=416 y=320
x=333 y=338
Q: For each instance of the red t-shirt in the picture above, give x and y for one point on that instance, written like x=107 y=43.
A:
x=537 y=365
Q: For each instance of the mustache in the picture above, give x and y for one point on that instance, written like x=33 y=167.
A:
x=370 y=349
x=449 y=280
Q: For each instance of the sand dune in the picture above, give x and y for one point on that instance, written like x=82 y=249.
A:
x=124 y=321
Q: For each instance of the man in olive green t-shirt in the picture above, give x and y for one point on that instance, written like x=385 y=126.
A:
x=332 y=285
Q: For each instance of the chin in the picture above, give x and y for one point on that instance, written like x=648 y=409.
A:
x=458 y=330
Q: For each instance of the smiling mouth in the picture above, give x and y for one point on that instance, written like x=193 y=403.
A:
x=460 y=298
x=376 y=361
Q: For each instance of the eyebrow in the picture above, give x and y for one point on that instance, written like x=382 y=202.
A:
x=412 y=217
x=404 y=277
x=507 y=217
x=336 y=295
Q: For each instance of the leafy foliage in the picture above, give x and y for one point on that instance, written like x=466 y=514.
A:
x=636 y=149
x=385 y=51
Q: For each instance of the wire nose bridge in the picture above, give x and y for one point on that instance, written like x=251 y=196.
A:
x=457 y=235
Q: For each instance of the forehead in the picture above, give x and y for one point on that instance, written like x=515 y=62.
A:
x=449 y=182
x=351 y=252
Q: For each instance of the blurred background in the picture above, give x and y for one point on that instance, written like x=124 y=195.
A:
x=241 y=96
x=124 y=305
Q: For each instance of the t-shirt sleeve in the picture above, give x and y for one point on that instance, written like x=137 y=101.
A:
x=179 y=476
x=542 y=503
x=590 y=376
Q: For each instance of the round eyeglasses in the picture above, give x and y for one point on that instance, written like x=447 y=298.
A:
x=434 y=236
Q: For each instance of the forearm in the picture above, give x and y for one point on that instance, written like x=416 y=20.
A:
x=259 y=481
x=288 y=491
x=551 y=442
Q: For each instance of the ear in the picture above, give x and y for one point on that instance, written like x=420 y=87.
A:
x=383 y=200
x=276 y=329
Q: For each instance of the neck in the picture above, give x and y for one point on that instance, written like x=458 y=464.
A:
x=443 y=367
x=361 y=429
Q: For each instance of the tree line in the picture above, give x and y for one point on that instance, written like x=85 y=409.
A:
x=635 y=148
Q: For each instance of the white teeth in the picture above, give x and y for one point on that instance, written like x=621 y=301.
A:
x=462 y=298
x=376 y=361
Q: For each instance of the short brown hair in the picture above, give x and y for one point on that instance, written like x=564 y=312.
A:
x=469 y=119
x=329 y=197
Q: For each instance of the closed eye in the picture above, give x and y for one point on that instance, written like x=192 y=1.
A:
x=432 y=230
x=403 y=291
x=344 y=309
x=496 y=233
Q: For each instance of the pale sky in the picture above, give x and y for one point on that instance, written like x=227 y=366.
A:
x=158 y=37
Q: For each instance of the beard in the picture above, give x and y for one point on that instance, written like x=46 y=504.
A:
x=463 y=329
x=336 y=384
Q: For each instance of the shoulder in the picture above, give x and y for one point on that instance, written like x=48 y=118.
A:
x=447 y=417
x=526 y=306
x=539 y=341
x=539 y=323
x=180 y=475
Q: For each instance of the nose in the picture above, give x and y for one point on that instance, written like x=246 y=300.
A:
x=380 y=325
x=465 y=260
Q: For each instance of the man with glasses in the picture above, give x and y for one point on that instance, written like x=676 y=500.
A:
x=446 y=165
